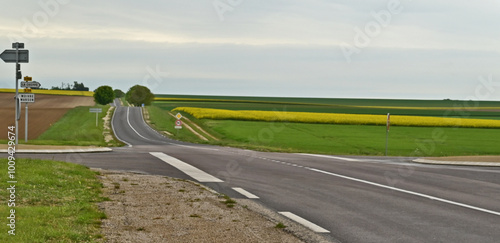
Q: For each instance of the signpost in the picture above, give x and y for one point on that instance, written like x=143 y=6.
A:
x=96 y=111
x=27 y=97
x=16 y=56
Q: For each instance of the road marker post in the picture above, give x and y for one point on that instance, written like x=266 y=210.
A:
x=27 y=97
x=388 y=125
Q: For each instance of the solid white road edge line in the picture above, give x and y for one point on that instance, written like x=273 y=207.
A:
x=113 y=127
x=304 y=222
x=332 y=157
x=188 y=169
x=245 y=193
x=128 y=121
x=408 y=192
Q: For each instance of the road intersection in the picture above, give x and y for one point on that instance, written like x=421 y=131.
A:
x=343 y=198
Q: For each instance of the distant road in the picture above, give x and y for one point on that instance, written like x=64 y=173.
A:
x=346 y=199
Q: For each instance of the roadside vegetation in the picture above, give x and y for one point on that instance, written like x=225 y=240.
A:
x=55 y=202
x=336 y=118
x=279 y=133
x=77 y=127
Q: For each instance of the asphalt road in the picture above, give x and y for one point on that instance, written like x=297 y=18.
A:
x=351 y=199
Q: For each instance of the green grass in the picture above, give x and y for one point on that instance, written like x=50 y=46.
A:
x=339 y=139
x=162 y=121
x=358 y=140
x=55 y=202
x=77 y=127
x=448 y=108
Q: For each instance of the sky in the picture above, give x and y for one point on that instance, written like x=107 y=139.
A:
x=409 y=49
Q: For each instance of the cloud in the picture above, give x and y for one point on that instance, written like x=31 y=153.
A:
x=276 y=48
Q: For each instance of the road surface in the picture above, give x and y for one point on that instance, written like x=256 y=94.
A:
x=345 y=199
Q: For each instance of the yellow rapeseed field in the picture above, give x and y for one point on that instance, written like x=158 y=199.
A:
x=52 y=92
x=334 y=118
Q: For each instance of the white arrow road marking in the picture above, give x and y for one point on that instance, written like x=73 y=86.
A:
x=190 y=170
x=245 y=193
x=304 y=222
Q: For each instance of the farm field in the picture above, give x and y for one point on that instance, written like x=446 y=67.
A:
x=46 y=110
x=344 y=139
x=440 y=108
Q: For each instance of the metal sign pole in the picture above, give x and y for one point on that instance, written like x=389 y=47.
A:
x=17 y=91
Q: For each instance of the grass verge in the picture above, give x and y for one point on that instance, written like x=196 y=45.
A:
x=55 y=202
x=77 y=127
x=357 y=139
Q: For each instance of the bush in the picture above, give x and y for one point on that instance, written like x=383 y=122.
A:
x=139 y=95
x=104 y=95
x=119 y=93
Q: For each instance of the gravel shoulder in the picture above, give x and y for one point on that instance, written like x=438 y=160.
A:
x=147 y=208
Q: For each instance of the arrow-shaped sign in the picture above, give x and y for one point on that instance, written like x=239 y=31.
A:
x=33 y=84
x=10 y=56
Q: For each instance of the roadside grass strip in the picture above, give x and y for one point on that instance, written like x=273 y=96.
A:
x=334 y=118
x=54 y=202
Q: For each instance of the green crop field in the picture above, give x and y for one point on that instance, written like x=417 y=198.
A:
x=438 y=108
x=342 y=139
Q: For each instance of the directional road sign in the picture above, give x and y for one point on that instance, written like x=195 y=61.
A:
x=10 y=56
x=96 y=110
x=33 y=84
x=27 y=98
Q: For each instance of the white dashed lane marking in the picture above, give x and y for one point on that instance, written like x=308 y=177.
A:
x=245 y=193
x=305 y=222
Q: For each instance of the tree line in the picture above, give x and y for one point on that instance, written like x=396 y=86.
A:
x=136 y=95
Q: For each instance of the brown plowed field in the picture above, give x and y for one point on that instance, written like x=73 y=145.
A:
x=46 y=110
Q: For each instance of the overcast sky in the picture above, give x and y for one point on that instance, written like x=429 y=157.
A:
x=306 y=48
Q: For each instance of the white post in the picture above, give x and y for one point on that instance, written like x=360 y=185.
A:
x=26 y=126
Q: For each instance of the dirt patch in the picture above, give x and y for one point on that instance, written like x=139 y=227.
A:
x=145 y=208
x=46 y=110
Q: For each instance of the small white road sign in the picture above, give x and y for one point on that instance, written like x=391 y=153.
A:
x=27 y=98
x=33 y=84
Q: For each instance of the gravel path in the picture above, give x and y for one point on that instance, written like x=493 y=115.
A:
x=146 y=208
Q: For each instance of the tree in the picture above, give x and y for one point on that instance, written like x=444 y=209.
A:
x=119 y=93
x=79 y=86
x=104 y=95
x=138 y=95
